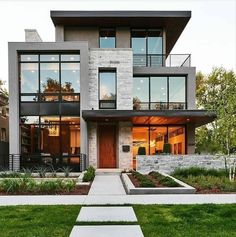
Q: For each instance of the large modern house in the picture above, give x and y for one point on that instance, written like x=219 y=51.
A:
x=107 y=89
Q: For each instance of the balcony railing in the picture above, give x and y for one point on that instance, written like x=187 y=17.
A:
x=159 y=105
x=162 y=60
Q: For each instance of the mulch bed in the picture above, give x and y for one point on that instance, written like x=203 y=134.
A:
x=136 y=182
x=79 y=190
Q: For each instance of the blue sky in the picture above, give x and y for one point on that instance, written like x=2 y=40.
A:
x=210 y=36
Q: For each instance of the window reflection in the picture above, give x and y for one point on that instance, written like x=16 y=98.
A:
x=107 y=38
x=70 y=57
x=107 y=89
x=70 y=77
x=29 y=78
x=29 y=58
x=141 y=93
x=49 y=77
x=48 y=58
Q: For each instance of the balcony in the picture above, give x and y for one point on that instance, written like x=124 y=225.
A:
x=159 y=105
x=162 y=60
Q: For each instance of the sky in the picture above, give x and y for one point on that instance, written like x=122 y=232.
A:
x=210 y=35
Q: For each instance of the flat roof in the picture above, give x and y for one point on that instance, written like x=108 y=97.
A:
x=173 y=21
x=151 y=117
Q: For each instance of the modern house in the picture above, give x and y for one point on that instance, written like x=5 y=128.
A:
x=108 y=88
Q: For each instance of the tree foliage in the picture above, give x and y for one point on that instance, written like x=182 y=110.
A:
x=217 y=92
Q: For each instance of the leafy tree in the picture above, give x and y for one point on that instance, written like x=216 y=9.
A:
x=217 y=92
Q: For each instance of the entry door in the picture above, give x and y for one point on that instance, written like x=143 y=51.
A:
x=107 y=146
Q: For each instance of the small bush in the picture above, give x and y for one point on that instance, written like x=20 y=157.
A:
x=89 y=175
x=164 y=180
x=198 y=171
x=66 y=171
x=144 y=180
x=41 y=171
x=11 y=174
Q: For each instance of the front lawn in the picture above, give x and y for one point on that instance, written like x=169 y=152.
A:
x=155 y=220
x=38 y=221
x=187 y=220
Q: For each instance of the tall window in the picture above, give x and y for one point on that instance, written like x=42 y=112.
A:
x=107 y=38
x=159 y=92
x=107 y=89
x=50 y=77
x=147 y=47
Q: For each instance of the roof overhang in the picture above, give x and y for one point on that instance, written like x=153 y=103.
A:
x=173 y=21
x=161 y=117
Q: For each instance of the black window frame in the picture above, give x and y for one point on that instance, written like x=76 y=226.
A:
x=107 y=70
x=107 y=28
x=60 y=94
x=168 y=92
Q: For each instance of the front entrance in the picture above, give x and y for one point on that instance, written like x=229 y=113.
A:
x=107 y=146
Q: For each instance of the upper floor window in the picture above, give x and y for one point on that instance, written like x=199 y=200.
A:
x=50 y=77
x=159 y=92
x=107 y=38
x=147 y=47
x=107 y=89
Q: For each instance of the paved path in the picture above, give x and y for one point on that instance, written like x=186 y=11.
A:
x=99 y=215
x=107 y=185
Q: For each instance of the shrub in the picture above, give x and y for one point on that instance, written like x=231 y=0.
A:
x=144 y=180
x=164 y=180
x=11 y=174
x=68 y=185
x=198 y=171
x=41 y=171
x=89 y=175
x=66 y=171
x=50 y=186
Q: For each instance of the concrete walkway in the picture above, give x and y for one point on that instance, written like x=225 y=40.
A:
x=107 y=222
x=105 y=184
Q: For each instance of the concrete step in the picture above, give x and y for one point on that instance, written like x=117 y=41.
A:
x=99 y=214
x=107 y=231
x=108 y=171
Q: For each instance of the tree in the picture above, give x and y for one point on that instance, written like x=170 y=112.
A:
x=217 y=92
x=3 y=91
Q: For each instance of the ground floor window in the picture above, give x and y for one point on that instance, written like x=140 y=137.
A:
x=51 y=137
x=154 y=140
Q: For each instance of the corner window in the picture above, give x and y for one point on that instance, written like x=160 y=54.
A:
x=107 y=89
x=107 y=38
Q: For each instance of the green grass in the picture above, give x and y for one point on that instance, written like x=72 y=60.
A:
x=187 y=220
x=155 y=220
x=37 y=221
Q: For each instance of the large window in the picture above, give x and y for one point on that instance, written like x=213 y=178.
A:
x=49 y=138
x=159 y=92
x=107 y=89
x=154 y=140
x=49 y=77
x=107 y=38
x=147 y=47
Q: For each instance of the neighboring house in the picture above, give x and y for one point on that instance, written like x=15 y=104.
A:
x=107 y=88
x=4 y=129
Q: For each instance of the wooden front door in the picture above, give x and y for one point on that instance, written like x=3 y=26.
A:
x=107 y=146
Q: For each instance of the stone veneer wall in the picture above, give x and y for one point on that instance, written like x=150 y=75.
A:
x=92 y=144
x=168 y=163
x=122 y=60
x=125 y=138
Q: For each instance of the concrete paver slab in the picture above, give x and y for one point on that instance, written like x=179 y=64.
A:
x=107 y=231
x=107 y=185
x=97 y=214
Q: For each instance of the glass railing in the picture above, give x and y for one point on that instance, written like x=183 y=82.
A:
x=162 y=60
x=159 y=106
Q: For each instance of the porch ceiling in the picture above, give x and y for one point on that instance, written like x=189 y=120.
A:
x=161 y=117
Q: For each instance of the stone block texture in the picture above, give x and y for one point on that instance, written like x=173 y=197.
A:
x=125 y=138
x=168 y=163
x=122 y=60
x=92 y=144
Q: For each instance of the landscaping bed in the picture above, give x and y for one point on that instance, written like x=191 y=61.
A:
x=206 y=180
x=46 y=183
x=154 y=183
